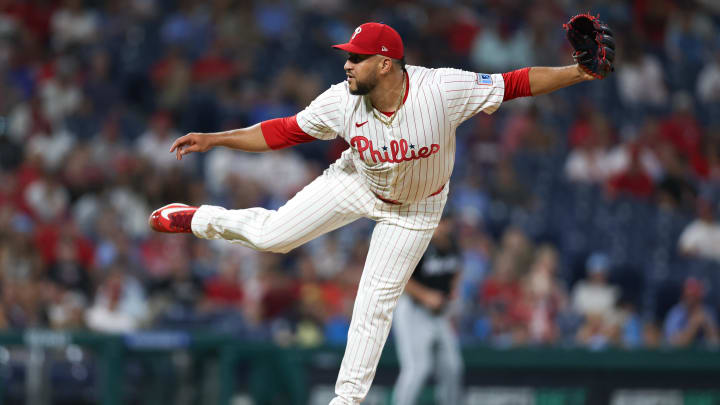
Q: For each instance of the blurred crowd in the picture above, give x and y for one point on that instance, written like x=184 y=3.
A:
x=586 y=217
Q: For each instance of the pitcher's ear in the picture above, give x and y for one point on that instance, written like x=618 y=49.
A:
x=386 y=65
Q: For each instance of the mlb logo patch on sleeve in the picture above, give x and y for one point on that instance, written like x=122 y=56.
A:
x=483 y=78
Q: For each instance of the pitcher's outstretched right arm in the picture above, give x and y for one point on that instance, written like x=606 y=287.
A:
x=248 y=139
x=272 y=134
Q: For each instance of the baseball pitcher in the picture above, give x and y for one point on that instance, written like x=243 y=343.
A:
x=400 y=123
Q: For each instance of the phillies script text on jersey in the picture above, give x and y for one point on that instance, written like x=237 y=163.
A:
x=398 y=150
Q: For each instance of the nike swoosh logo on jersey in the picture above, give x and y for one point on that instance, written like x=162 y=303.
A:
x=167 y=212
x=358 y=125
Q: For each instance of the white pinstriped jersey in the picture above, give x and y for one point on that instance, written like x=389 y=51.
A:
x=414 y=157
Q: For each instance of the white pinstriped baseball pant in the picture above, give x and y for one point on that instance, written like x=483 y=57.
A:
x=334 y=199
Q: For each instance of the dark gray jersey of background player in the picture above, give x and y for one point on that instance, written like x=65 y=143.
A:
x=438 y=266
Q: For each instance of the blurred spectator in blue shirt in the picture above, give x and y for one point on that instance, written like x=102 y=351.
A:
x=688 y=33
x=595 y=300
x=188 y=27
x=690 y=321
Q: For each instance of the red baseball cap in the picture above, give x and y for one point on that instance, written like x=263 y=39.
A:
x=374 y=39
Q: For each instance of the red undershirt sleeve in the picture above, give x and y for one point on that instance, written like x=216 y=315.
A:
x=517 y=84
x=283 y=132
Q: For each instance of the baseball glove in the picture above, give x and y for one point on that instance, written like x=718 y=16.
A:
x=593 y=43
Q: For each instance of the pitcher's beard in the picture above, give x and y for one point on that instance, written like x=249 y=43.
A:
x=364 y=88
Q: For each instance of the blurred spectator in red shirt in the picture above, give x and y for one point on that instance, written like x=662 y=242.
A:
x=33 y=15
x=683 y=131
x=462 y=31
x=589 y=162
x=9 y=197
x=213 y=66
x=47 y=238
x=280 y=291
x=651 y=17
x=501 y=301
x=225 y=290
x=502 y=288
x=633 y=181
x=159 y=256
x=544 y=296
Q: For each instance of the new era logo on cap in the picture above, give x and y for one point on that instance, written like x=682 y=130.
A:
x=376 y=39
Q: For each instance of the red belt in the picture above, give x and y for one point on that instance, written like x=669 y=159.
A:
x=394 y=202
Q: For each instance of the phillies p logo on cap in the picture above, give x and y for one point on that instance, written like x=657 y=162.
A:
x=376 y=39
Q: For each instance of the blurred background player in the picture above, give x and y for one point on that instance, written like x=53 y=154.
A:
x=422 y=323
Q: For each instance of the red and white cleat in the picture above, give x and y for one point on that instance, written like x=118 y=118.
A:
x=172 y=218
